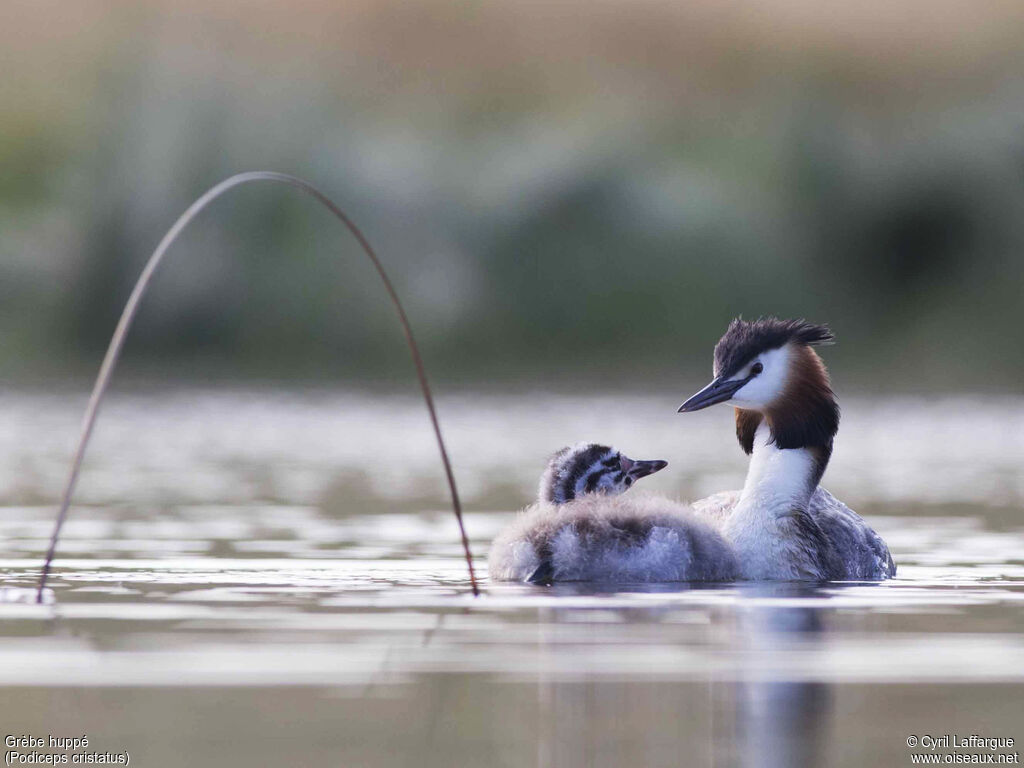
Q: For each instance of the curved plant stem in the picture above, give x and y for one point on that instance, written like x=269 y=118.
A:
x=130 y=309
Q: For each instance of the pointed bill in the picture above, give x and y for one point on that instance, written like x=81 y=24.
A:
x=718 y=391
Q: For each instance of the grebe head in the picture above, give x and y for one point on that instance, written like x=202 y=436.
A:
x=768 y=370
x=591 y=468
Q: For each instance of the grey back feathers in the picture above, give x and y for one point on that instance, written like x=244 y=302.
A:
x=857 y=552
x=591 y=468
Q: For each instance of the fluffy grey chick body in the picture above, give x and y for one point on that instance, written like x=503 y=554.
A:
x=583 y=529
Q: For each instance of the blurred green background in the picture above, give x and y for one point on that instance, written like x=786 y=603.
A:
x=563 y=192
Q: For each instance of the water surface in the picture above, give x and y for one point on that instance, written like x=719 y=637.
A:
x=257 y=578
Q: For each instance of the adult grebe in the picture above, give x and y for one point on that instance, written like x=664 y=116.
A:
x=782 y=525
x=583 y=529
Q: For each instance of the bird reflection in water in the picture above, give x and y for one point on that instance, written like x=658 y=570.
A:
x=750 y=707
x=781 y=718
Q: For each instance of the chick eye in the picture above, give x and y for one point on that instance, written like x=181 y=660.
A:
x=756 y=368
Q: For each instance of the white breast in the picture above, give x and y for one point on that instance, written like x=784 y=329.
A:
x=760 y=528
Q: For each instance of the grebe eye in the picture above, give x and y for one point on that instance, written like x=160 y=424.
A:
x=756 y=368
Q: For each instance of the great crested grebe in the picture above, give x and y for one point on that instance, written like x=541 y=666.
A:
x=782 y=525
x=583 y=529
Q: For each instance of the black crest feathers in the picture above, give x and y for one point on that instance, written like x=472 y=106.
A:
x=745 y=339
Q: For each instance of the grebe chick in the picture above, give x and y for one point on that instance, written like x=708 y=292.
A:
x=782 y=525
x=591 y=468
x=583 y=529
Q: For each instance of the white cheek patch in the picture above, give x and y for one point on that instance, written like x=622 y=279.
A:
x=766 y=387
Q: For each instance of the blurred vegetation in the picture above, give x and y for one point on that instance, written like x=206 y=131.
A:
x=574 y=191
